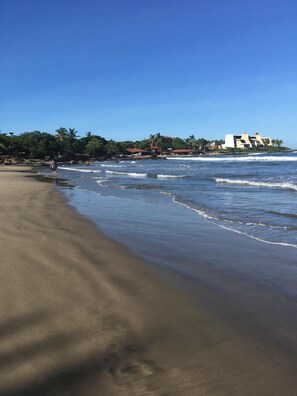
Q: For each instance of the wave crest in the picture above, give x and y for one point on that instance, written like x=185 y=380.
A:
x=287 y=186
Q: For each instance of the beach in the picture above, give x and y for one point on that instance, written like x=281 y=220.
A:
x=82 y=315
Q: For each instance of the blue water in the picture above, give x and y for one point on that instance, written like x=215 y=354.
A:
x=255 y=195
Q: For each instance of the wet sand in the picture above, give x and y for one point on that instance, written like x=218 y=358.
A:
x=80 y=315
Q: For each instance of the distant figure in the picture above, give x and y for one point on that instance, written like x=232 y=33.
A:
x=53 y=167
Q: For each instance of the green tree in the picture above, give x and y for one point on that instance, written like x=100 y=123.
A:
x=3 y=143
x=144 y=144
x=95 y=148
x=112 y=148
x=38 y=144
x=202 y=143
x=191 y=142
x=178 y=143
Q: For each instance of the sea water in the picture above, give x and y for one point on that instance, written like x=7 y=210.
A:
x=255 y=195
x=199 y=216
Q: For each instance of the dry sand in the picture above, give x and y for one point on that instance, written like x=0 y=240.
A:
x=80 y=315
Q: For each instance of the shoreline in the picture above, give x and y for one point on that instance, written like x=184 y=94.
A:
x=81 y=314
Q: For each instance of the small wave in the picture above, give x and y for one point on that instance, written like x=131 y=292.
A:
x=257 y=238
x=289 y=215
x=101 y=181
x=152 y=175
x=166 y=193
x=287 y=186
x=199 y=211
x=133 y=174
x=239 y=158
x=111 y=166
x=170 y=176
x=75 y=169
x=217 y=221
x=141 y=187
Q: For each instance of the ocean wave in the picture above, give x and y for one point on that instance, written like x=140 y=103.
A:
x=101 y=182
x=249 y=158
x=288 y=215
x=287 y=186
x=258 y=238
x=133 y=174
x=222 y=223
x=139 y=186
x=112 y=166
x=169 y=176
x=75 y=169
x=151 y=175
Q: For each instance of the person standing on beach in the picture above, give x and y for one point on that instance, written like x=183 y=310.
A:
x=53 y=167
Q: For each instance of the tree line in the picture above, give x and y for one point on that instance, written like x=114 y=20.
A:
x=68 y=143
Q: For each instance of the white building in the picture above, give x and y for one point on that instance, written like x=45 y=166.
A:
x=246 y=141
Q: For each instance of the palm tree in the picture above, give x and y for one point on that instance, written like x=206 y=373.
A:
x=191 y=141
x=278 y=142
x=158 y=139
x=61 y=134
x=152 y=140
x=72 y=133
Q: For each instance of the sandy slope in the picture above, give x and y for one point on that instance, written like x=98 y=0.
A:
x=79 y=315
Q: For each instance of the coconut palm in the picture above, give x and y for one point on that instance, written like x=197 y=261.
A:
x=61 y=134
x=191 y=141
x=72 y=133
x=152 y=140
x=278 y=142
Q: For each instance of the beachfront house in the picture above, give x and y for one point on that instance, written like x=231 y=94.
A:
x=245 y=140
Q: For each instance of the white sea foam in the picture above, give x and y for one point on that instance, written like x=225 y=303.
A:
x=257 y=238
x=287 y=186
x=169 y=176
x=75 y=169
x=101 y=181
x=111 y=166
x=133 y=174
x=249 y=158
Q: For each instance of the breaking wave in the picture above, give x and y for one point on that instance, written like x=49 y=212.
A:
x=111 y=166
x=250 y=158
x=287 y=186
x=152 y=175
x=169 y=176
x=133 y=174
x=75 y=169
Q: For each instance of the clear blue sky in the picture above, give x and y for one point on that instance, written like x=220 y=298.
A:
x=128 y=68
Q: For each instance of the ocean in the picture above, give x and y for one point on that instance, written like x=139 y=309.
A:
x=176 y=211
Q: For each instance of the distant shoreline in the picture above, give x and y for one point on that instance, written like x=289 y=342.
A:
x=12 y=160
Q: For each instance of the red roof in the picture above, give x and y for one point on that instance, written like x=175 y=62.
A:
x=134 y=150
